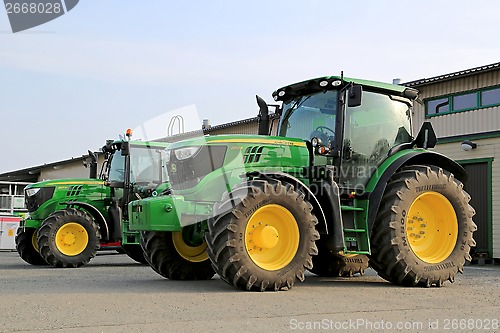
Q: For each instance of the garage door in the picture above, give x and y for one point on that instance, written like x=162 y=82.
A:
x=479 y=187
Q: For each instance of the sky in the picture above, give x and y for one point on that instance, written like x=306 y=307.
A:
x=68 y=85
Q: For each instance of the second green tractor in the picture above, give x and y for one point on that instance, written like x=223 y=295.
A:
x=71 y=219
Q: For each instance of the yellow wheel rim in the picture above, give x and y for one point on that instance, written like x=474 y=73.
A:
x=432 y=227
x=188 y=252
x=272 y=237
x=72 y=239
x=34 y=240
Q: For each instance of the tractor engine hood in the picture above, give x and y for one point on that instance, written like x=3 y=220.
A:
x=191 y=161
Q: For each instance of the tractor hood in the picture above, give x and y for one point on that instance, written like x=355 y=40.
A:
x=237 y=139
x=45 y=197
x=193 y=162
x=66 y=182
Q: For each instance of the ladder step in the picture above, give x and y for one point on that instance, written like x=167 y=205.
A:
x=354 y=230
x=350 y=208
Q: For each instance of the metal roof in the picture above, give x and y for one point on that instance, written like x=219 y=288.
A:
x=451 y=76
x=31 y=174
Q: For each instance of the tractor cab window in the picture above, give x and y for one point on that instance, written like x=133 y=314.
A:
x=310 y=116
x=146 y=165
x=117 y=167
x=371 y=129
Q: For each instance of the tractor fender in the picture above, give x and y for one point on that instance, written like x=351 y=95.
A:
x=298 y=184
x=96 y=214
x=413 y=158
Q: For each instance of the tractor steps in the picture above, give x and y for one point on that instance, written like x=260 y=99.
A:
x=355 y=229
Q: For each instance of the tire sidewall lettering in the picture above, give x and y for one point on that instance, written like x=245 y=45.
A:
x=457 y=203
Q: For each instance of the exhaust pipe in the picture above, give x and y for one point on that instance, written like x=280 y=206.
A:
x=93 y=165
x=263 y=116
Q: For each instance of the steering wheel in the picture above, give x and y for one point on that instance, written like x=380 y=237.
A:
x=321 y=132
x=320 y=128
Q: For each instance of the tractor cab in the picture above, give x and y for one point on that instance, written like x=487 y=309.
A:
x=134 y=170
x=349 y=124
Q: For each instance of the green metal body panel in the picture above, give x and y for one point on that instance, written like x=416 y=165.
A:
x=91 y=191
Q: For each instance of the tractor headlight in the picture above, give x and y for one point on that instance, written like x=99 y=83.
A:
x=185 y=153
x=32 y=191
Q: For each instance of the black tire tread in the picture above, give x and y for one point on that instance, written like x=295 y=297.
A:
x=135 y=252
x=163 y=258
x=386 y=259
x=58 y=259
x=24 y=246
x=328 y=264
x=222 y=232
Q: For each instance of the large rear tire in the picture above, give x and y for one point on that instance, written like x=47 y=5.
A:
x=423 y=231
x=27 y=247
x=173 y=257
x=68 y=238
x=135 y=252
x=263 y=236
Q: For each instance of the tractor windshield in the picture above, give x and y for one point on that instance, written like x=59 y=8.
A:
x=117 y=167
x=145 y=165
x=310 y=116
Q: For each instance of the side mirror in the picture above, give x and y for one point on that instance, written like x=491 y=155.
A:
x=354 y=95
x=125 y=148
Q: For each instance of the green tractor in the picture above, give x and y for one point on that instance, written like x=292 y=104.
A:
x=343 y=180
x=70 y=219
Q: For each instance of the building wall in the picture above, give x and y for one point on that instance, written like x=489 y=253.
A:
x=452 y=128
x=248 y=128
x=486 y=149
x=460 y=123
x=74 y=169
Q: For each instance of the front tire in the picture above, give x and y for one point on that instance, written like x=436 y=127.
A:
x=174 y=258
x=423 y=231
x=263 y=236
x=68 y=238
x=134 y=252
x=27 y=246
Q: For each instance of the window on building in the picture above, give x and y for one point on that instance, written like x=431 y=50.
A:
x=438 y=106
x=490 y=97
x=465 y=102
x=479 y=99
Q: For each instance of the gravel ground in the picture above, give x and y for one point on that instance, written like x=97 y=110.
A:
x=114 y=294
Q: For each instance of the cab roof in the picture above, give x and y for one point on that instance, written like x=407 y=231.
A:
x=313 y=85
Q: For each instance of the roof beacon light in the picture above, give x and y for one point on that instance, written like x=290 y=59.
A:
x=128 y=133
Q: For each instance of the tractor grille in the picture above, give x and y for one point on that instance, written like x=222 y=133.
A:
x=252 y=154
x=35 y=201
x=184 y=174
x=74 y=190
